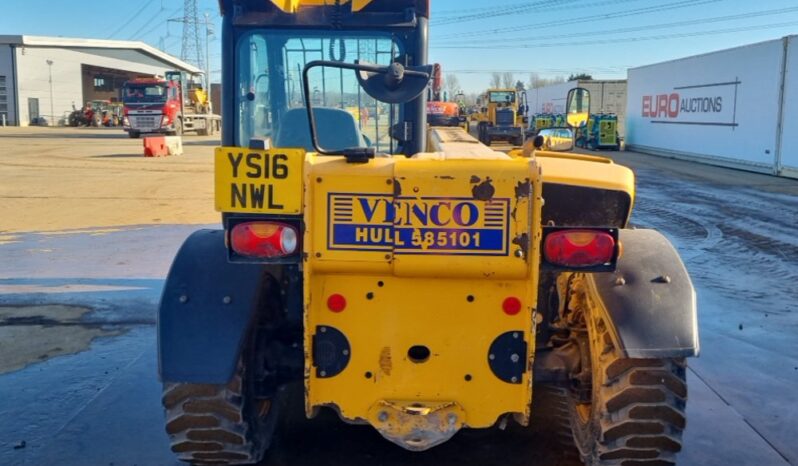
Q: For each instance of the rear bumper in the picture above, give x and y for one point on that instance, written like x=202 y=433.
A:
x=442 y=120
x=504 y=131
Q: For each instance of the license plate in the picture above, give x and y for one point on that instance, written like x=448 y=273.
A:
x=259 y=181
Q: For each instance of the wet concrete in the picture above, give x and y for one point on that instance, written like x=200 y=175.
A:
x=100 y=405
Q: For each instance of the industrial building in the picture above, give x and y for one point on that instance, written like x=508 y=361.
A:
x=606 y=96
x=44 y=77
x=735 y=107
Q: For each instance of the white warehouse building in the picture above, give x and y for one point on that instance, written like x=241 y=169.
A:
x=44 y=77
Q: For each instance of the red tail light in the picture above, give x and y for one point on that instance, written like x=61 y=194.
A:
x=336 y=302
x=264 y=239
x=579 y=248
x=511 y=306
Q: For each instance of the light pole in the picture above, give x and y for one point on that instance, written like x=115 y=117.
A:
x=208 y=34
x=52 y=112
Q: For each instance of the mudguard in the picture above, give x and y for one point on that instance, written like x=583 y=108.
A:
x=206 y=310
x=649 y=300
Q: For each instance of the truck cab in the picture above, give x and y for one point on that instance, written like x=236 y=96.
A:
x=167 y=105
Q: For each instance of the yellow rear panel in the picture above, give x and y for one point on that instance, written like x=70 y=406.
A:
x=424 y=251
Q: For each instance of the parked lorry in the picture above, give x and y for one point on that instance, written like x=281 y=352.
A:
x=172 y=105
x=414 y=280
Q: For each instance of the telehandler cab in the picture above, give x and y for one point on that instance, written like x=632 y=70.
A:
x=412 y=278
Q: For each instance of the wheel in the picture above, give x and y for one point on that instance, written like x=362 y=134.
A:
x=207 y=130
x=178 y=131
x=481 y=132
x=218 y=424
x=231 y=423
x=133 y=134
x=636 y=409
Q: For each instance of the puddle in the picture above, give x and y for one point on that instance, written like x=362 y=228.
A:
x=30 y=334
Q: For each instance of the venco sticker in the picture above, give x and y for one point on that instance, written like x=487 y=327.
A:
x=709 y=104
x=418 y=225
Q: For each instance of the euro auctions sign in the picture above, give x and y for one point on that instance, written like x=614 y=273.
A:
x=710 y=104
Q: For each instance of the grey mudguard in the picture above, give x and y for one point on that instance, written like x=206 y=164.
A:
x=649 y=300
x=206 y=309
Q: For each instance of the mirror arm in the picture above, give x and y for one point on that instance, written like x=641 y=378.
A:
x=354 y=154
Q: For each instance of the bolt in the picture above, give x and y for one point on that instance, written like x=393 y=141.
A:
x=491 y=356
x=323 y=373
x=515 y=335
x=514 y=379
x=620 y=281
x=514 y=357
x=227 y=300
x=346 y=352
x=183 y=299
x=322 y=329
x=389 y=181
x=318 y=254
x=383 y=416
x=318 y=180
x=663 y=279
x=519 y=253
x=387 y=257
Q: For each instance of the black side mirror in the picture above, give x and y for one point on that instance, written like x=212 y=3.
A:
x=393 y=84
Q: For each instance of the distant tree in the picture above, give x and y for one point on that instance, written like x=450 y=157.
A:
x=508 y=80
x=496 y=80
x=520 y=86
x=580 y=77
x=535 y=81
x=452 y=85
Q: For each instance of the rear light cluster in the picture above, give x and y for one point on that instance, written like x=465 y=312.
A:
x=579 y=248
x=267 y=240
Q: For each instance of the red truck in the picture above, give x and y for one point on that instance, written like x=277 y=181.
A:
x=167 y=105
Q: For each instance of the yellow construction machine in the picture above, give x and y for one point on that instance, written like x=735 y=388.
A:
x=411 y=278
x=505 y=111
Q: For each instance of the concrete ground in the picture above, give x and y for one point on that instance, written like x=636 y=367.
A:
x=88 y=229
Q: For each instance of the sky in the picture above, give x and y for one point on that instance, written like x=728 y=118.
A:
x=552 y=38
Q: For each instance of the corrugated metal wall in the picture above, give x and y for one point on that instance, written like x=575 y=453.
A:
x=606 y=96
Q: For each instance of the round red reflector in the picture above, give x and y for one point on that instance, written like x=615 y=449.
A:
x=336 y=302
x=511 y=306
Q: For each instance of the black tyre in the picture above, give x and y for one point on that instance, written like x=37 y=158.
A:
x=205 y=131
x=637 y=410
x=219 y=424
x=178 y=131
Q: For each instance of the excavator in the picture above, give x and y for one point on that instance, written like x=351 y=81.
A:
x=407 y=276
x=440 y=110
